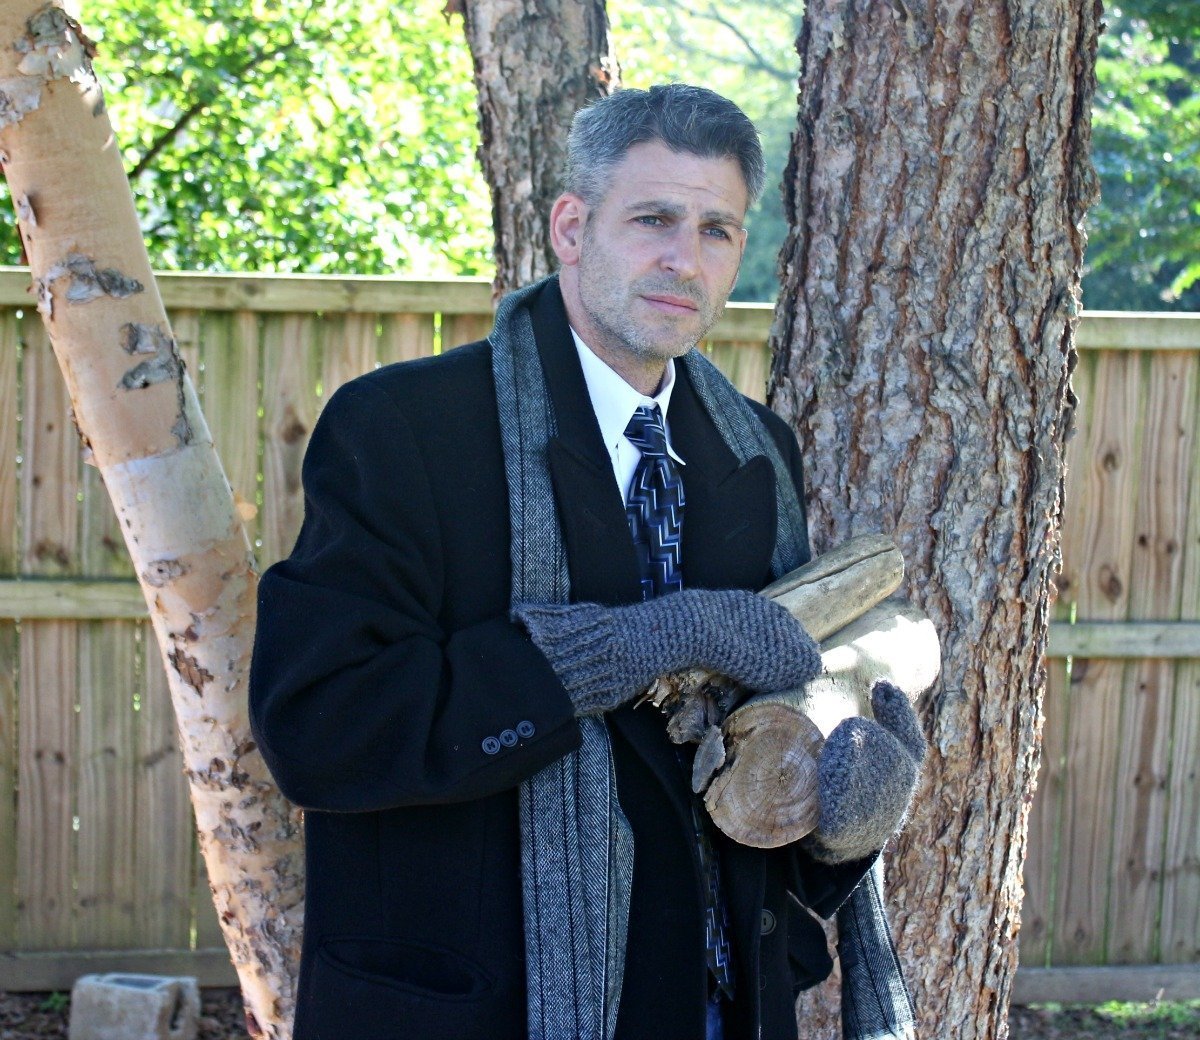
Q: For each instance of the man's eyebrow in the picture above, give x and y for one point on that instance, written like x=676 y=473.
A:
x=661 y=207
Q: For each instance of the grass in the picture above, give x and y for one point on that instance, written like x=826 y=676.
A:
x=1116 y=1019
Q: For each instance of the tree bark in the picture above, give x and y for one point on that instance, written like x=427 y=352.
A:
x=923 y=347
x=537 y=62
x=140 y=422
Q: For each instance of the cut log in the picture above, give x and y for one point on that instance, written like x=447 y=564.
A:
x=893 y=640
x=765 y=793
x=827 y=593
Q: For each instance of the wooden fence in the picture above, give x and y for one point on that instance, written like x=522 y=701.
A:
x=98 y=868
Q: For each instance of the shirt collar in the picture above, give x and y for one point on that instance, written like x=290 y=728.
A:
x=614 y=401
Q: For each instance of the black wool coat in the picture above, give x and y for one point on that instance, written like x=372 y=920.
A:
x=395 y=701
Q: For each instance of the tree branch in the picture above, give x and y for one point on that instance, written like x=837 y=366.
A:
x=172 y=132
x=759 y=62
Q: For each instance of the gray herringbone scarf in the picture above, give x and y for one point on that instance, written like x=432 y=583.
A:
x=576 y=845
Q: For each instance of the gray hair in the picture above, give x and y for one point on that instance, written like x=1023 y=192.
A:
x=692 y=120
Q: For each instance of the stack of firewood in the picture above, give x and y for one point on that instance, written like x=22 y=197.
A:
x=757 y=765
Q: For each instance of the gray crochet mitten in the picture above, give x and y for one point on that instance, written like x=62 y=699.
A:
x=866 y=777
x=605 y=656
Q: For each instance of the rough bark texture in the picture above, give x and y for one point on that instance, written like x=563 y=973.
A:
x=923 y=344
x=537 y=62
x=139 y=420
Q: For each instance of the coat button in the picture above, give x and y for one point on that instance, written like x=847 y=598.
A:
x=768 y=923
x=525 y=729
x=508 y=738
x=490 y=745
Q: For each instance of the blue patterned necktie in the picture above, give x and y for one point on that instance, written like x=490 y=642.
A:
x=655 y=505
x=655 y=514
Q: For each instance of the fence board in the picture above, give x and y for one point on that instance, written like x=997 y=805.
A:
x=458 y=329
x=9 y=551
x=8 y=784
x=350 y=347
x=1047 y=826
x=104 y=894
x=406 y=337
x=48 y=656
x=1180 y=937
x=1138 y=639
x=230 y=354
x=1045 y=823
x=1098 y=530
x=291 y=373
x=10 y=393
x=46 y=765
x=1160 y=525
x=207 y=929
x=745 y=365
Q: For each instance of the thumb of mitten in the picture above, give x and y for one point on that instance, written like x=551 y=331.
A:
x=895 y=714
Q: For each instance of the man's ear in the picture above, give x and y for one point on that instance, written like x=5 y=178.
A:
x=567 y=219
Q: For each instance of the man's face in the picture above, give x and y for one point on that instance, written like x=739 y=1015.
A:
x=656 y=259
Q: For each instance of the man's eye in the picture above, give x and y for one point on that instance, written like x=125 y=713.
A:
x=649 y=220
x=716 y=231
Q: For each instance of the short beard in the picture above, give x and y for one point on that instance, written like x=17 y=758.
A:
x=636 y=340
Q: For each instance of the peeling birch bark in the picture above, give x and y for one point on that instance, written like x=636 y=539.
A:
x=923 y=345
x=536 y=65
x=138 y=416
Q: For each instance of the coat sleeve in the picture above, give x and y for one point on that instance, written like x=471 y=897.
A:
x=359 y=698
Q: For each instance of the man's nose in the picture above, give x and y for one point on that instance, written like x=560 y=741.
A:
x=682 y=253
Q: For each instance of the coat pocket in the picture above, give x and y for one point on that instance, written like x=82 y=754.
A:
x=383 y=989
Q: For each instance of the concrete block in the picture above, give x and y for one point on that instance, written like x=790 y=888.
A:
x=134 y=1007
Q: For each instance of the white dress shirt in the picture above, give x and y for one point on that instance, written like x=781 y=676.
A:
x=614 y=401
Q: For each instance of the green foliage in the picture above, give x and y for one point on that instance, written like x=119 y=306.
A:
x=1115 y=1020
x=288 y=135
x=284 y=135
x=55 y=1002
x=1144 y=249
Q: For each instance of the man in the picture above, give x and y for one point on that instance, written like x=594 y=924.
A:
x=502 y=546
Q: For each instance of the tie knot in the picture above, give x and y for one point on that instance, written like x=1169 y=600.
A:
x=645 y=431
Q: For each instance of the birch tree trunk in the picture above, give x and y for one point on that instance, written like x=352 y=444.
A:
x=537 y=62
x=923 y=346
x=140 y=422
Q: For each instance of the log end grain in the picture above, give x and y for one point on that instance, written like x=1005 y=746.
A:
x=765 y=795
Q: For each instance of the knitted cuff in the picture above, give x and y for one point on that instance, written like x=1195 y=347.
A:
x=578 y=641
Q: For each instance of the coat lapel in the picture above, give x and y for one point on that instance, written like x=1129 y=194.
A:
x=600 y=555
x=729 y=519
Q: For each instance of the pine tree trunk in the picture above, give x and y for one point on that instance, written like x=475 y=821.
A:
x=537 y=62
x=140 y=422
x=923 y=346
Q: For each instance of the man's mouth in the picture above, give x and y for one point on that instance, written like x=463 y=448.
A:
x=671 y=304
